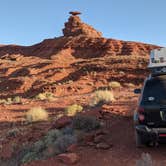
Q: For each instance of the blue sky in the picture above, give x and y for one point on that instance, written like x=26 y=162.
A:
x=26 y=22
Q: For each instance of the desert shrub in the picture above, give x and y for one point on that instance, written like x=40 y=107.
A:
x=13 y=132
x=36 y=114
x=73 y=109
x=28 y=157
x=67 y=131
x=45 y=96
x=86 y=123
x=63 y=142
x=39 y=146
x=146 y=160
x=9 y=101
x=129 y=85
x=114 y=85
x=17 y=99
x=101 y=96
x=2 y=101
x=55 y=142
x=51 y=136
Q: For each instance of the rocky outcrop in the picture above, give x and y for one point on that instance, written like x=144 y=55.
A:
x=75 y=27
x=79 y=40
x=30 y=70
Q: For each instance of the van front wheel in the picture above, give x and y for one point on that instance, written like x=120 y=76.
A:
x=138 y=140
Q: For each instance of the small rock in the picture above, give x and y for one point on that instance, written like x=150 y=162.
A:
x=68 y=158
x=103 y=146
x=99 y=138
x=89 y=137
x=102 y=132
x=72 y=148
x=62 y=122
x=90 y=143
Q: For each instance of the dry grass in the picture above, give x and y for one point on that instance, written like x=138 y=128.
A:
x=101 y=97
x=8 y=101
x=114 y=85
x=36 y=114
x=73 y=110
x=45 y=96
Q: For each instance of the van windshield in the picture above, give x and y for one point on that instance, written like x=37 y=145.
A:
x=155 y=91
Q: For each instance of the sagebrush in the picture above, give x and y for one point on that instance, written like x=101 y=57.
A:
x=36 y=114
x=101 y=97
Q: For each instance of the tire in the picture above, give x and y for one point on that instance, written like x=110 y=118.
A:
x=138 y=140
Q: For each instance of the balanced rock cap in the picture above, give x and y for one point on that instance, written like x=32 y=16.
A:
x=74 y=13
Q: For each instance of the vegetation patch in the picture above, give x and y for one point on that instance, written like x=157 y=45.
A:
x=36 y=114
x=73 y=109
x=54 y=143
x=45 y=96
x=85 y=123
x=101 y=97
x=14 y=100
x=114 y=85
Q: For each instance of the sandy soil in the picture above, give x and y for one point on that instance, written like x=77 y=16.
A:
x=118 y=122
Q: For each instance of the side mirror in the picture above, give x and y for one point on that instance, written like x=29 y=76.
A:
x=137 y=91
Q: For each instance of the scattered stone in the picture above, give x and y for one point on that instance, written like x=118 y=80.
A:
x=90 y=143
x=103 y=146
x=72 y=148
x=68 y=158
x=102 y=132
x=89 y=137
x=62 y=122
x=99 y=139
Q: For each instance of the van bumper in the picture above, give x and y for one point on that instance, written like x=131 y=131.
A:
x=151 y=134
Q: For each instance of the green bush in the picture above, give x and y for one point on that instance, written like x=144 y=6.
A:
x=54 y=143
x=28 y=157
x=13 y=132
x=86 y=123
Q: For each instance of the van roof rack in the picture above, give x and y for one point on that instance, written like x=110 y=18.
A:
x=157 y=62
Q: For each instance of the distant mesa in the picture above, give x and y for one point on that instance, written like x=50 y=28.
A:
x=74 y=13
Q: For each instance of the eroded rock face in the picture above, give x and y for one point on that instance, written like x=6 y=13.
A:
x=75 y=27
x=25 y=70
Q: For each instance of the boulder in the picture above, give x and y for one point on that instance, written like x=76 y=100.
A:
x=68 y=158
x=103 y=146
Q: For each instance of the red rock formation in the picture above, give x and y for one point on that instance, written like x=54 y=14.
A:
x=79 y=40
x=26 y=70
x=75 y=27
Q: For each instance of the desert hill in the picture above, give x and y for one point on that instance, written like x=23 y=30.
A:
x=76 y=62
